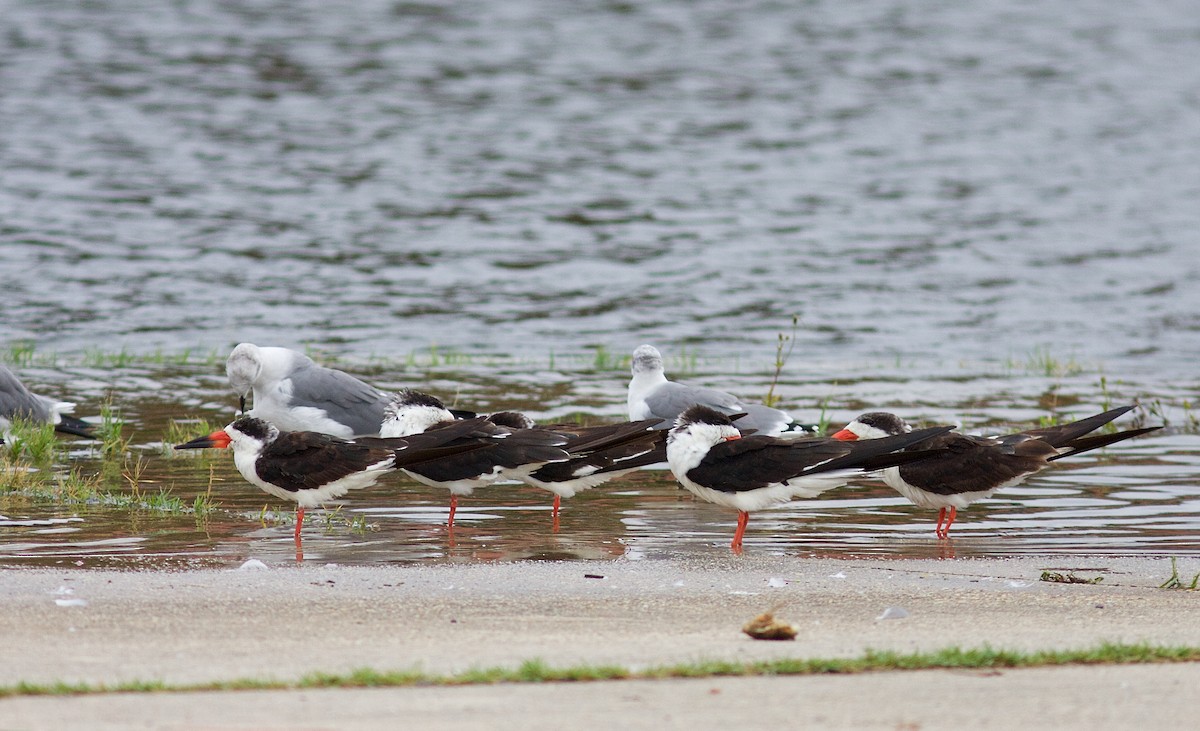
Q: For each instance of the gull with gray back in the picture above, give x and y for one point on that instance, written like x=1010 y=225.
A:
x=652 y=396
x=295 y=394
x=18 y=402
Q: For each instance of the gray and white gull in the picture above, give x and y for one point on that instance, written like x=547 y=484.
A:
x=651 y=395
x=295 y=394
x=18 y=402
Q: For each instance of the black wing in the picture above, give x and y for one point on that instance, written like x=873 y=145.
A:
x=308 y=460
x=495 y=446
x=649 y=448
x=754 y=462
x=964 y=463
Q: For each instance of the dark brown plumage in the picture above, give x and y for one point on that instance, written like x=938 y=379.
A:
x=968 y=468
x=715 y=462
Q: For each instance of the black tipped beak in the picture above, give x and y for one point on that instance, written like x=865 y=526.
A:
x=218 y=440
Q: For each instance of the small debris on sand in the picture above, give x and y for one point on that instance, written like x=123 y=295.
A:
x=766 y=627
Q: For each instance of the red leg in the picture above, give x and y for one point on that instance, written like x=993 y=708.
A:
x=299 y=523
x=557 y=503
x=453 y=509
x=951 y=515
x=938 y=530
x=743 y=521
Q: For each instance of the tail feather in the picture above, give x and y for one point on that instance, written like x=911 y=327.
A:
x=620 y=434
x=1085 y=444
x=655 y=455
x=1063 y=434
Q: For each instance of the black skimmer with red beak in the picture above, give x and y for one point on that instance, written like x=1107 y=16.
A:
x=18 y=402
x=652 y=396
x=598 y=453
x=715 y=462
x=966 y=468
x=310 y=468
x=295 y=394
x=507 y=454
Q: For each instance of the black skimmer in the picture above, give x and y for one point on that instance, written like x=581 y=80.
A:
x=508 y=454
x=18 y=402
x=310 y=468
x=651 y=395
x=715 y=462
x=598 y=453
x=967 y=468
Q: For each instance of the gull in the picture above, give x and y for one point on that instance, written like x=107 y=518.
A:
x=651 y=395
x=18 y=402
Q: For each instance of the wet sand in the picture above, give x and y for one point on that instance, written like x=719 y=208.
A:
x=285 y=622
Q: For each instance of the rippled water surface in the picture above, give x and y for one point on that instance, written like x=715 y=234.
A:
x=971 y=179
x=981 y=212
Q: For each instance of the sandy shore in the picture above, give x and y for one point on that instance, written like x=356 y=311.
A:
x=283 y=623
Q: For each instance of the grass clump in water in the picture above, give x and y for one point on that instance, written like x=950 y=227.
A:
x=96 y=358
x=203 y=507
x=109 y=432
x=604 y=360
x=21 y=353
x=337 y=518
x=180 y=431
x=330 y=519
x=187 y=356
x=31 y=441
x=438 y=357
x=781 y=359
x=18 y=479
x=1041 y=360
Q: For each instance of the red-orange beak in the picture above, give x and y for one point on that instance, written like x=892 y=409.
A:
x=217 y=440
x=845 y=435
x=733 y=438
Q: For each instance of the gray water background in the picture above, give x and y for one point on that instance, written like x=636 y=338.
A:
x=932 y=181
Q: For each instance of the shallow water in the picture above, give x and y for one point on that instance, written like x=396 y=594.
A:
x=1140 y=497
x=981 y=213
